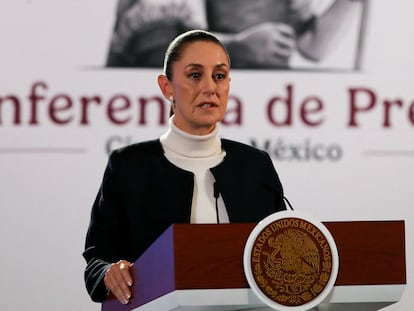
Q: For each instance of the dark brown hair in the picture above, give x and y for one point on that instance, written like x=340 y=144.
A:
x=173 y=53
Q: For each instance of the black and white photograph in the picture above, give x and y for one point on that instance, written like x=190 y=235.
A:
x=260 y=34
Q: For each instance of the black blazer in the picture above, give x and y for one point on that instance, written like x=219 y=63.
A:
x=142 y=194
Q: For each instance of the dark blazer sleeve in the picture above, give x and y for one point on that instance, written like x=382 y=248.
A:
x=140 y=196
x=105 y=237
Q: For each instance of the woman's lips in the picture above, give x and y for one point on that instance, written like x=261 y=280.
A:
x=207 y=105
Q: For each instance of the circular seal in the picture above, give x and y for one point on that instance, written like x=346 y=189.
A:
x=291 y=261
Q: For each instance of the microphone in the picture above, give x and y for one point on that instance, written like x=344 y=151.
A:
x=216 y=191
x=288 y=203
x=216 y=196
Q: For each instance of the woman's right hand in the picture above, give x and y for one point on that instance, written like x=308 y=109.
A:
x=118 y=280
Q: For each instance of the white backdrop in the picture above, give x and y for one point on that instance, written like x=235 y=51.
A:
x=53 y=148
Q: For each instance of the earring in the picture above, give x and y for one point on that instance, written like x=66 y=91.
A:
x=171 y=99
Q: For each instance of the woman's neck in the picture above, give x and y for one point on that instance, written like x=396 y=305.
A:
x=180 y=143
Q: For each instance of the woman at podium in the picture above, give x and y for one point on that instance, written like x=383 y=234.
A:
x=188 y=175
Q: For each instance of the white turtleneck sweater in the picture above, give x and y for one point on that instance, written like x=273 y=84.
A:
x=197 y=154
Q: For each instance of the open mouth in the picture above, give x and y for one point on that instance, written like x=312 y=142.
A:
x=207 y=105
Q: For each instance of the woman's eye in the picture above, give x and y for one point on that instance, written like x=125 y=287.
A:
x=195 y=75
x=219 y=76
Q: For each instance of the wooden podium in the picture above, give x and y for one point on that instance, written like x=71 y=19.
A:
x=200 y=267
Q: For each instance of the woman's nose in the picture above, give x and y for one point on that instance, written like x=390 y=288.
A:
x=209 y=86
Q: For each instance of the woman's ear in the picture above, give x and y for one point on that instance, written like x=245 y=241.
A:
x=165 y=86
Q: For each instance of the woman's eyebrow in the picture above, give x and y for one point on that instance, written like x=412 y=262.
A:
x=194 y=65
x=222 y=65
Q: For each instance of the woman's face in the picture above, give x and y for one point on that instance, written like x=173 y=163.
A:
x=200 y=87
